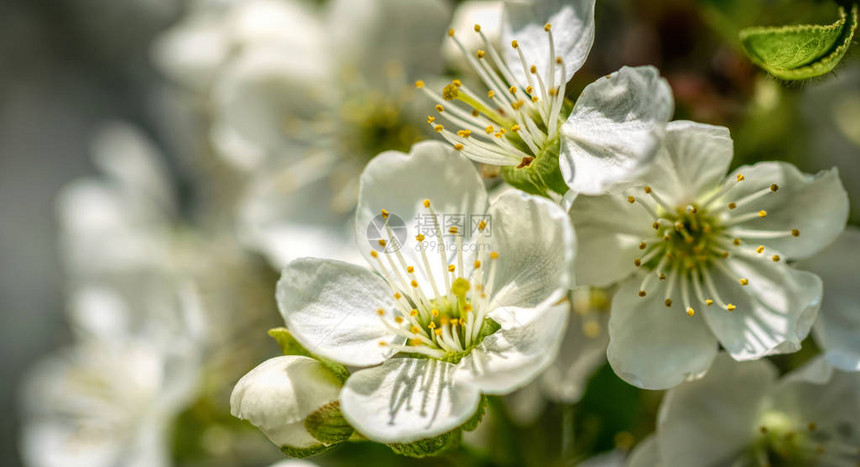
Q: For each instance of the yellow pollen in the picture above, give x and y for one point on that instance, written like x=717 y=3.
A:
x=450 y=92
x=477 y=264
x=730 y=307
x=475 y=113
x=558 y=60
x=381 y=242
x=690 y=311
x=530 y=89
x=656 y=225
x=440 y=108
x=413 y=312
x=397 y=296
x=374 y=254
x=740 y=178
x=464 y=133
x=491 y=94
x=458 y=147
x=438 y=332
x=534 y=98
x=744 y=281
x=631 y=199
x=760 y=249
x=489 y=129
x=668 y=302
x=382 y=343
x=709 y=302
x=451 y=268
x=512 y=89
x=732 y=205
x=453 y=230
x=662 y=276
x=647 y=189
x=553 y=92
x=444 y=321
x=455 y=321
x=385 y=214
x=482 y=225
x=637 y=262
x=547 y=27
x=420 y=237
x=434 y=312
x=431 y=119
x=642 y=293
x=494 y=255
x=795 y=232
x=643 y=245
x=438 y=128
x=515 y=128
x=398 y=319
x=533 y=69
x=380 y=312
x=457 y=83
x=775 y=258
x=419 y=84
x=762 y=213
x=774 y=187
x=477 y=28
x=432 y=325
x=415 y=329
x=426 y=203
x=410 y=269
x=451 y=32
x=467 y=307
x=515 y=44
x=725 y=254
x=736 y=242
x=414 y=283
x=479 y=53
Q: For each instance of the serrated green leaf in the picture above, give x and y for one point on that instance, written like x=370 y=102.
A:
x=429 y=446
x=328 y=425
x=800 y=51
x=476 y=418
x=290 y=346
x=302 y=453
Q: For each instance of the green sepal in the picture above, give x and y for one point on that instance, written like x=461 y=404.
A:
x=799 y=52
x=473 y=422
x=541 y=176
x=302 y=453
x=290 y=346
x=328 y=425
x=428 y=446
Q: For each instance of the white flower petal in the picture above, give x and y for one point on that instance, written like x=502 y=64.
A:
x=581 y=353
x=279 y=394
x=838 y=322
x=572 y=29
x=645 y=454
x=615 y=129
x=774 y=312
x=713 y=418
x=609 y=230
x=693 y=161
x=407 y=399
x=512 y=357
x=487 y=13
x=817 y=205
x=368 y=35
x=652 y=346
x=536 y=245
x=399 y=183
x=331 y=309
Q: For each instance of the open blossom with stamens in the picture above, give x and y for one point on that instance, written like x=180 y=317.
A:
x=522 y=119
x=741 y=414
x=702 y=258
x=454 y=309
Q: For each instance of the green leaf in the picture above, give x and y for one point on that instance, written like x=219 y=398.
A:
x=428 y=446
x=800 y=51
x=290 y=346
x=301 y=453
x=328 y=425
x=473 y=422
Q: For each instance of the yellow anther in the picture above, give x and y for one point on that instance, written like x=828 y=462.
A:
x=494 y=255
x=656 y=225
x=725 y=254
x=420 y=237
x=730 y=307
x=450 y=92
x=410 y=269
x=775 y=258
x=668 y=302
x=489 y=129
x=530 y=89
x=464 y=133
x=732 y=205
x=744 y=281
x=774 y=187
x=477 y=28
x=637 y=262
x=662 y=276
x=482 y=225
x=762 y=213
x=453 y=230
x=426 y=203
x=380 y=312
x=413 y=312
x=515 y=128
x=547 y=27
x=438 y=332
x=533 y=69
x=434 y=312
x=795 y=232
x=381 y=242
x=647 y=189
x=642 y=293
x=558 y=60
x=432 y=325
x=455 y=321
x=512 y=89
x=553 y=92
x=631 y=199
x=444 y=321
x=477 y=264
x=385 y=214
x=690 y=311
x=709 y=302
x=458 y=147
x=740 y=178
x=643 y=245
x=491 y=94
x=374 y=254
x=438 y=128
x=760 y=249
x=414 y=283
x=431 y=119
x=467 y=307
x=419 y=84
x=397 y=296
x=534 y=98
x=736 y=242
x=440 y=108
x=398 y=319
x=479 y=53
x=457 y=83
x=451 y=32
x=515 y=44
x=415 y=329
x=383 y=343
x=451 y=268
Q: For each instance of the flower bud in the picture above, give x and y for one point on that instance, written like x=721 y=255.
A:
x=280 y=394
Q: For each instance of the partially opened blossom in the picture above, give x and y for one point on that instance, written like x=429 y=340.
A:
x=837 y=330
x=741 y=414
x=521 y=119
x=454 y=309
x=701 y=257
